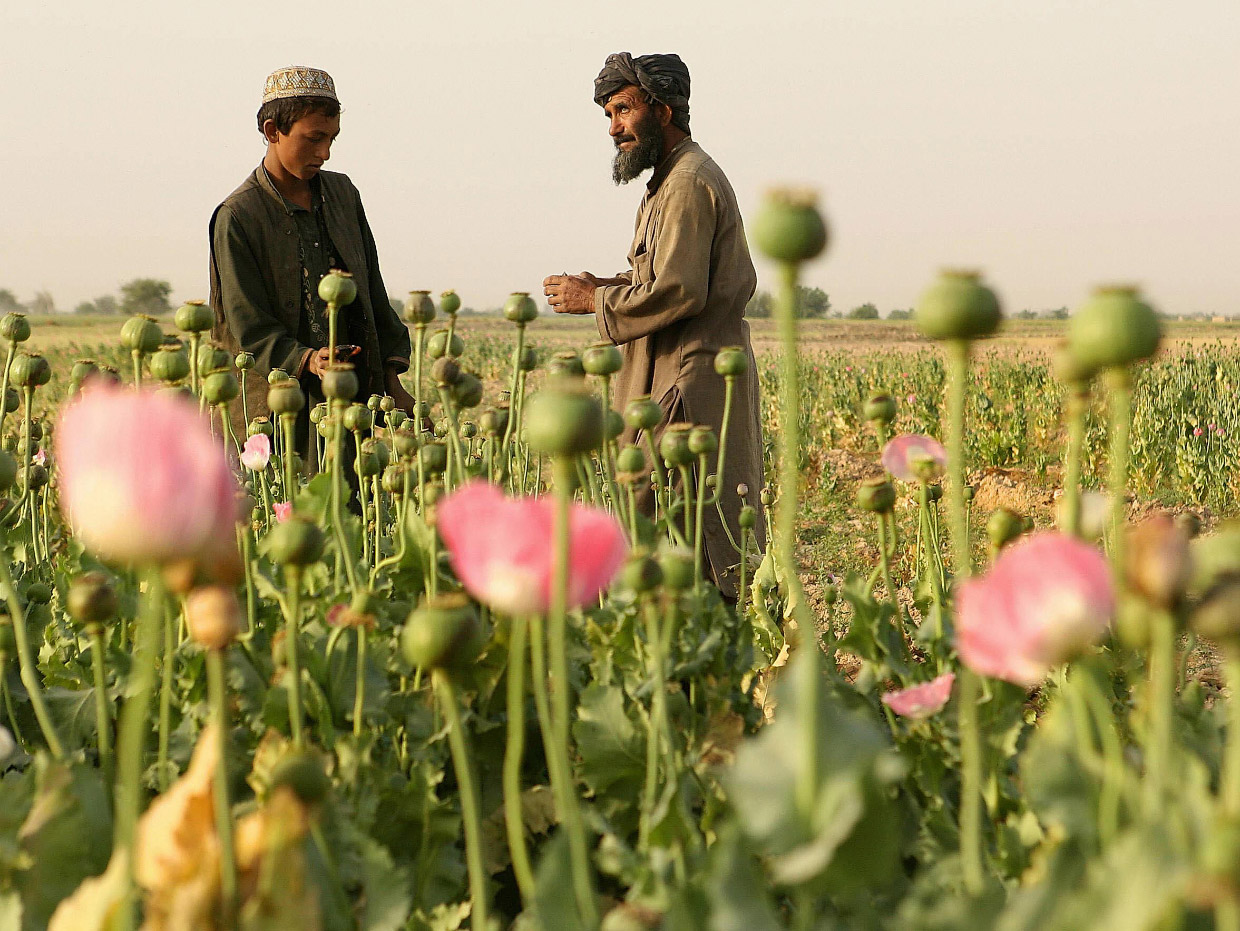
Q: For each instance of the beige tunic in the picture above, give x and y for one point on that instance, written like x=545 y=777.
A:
x=682 y=301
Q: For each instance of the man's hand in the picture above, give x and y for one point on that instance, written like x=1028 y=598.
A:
x=571 y=294
x=404 y=400
x=319 y=360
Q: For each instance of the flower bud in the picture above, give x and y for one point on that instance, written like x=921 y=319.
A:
x=38 y=593
x=170 y=364
x=789 y=228
x=520 y=308
x=194 y=317
x=767 y=496
x=286 y=397
x=92 y=599
x=14 y=327
x=602 y=359
x=213 y=616
x=679 y=573
x=338 y=288
x=641 y=572
x=437 y=346
x=358 y=419
x=958 y=307
x=1114 y=328
x=221 y=387
x=731 y=361
x=295 y=542
x=674 y=444
x=419 y=308
x=141 y=333
x=1159 y=561
x=1003 y=527
x=564 y=419
x=880 y=408
x=29 y=371
x=877 y=495
x=339 y=382
x=748 y=518
x=702 y=441
x=440 y=633
x=642 y=413
x=449 y=302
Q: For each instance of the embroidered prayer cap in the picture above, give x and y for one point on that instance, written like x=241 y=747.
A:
x=663 y=77
x=299 y=81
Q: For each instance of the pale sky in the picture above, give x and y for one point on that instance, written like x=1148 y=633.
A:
x=1053 y=144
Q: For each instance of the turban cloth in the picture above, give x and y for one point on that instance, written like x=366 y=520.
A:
x=663 y=77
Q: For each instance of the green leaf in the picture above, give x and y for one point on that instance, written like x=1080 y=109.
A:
x=738 y=892
x=74 y=714
x=554 y=902
x=612 y=750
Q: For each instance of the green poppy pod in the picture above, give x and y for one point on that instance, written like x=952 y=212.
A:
x=285 y=397
x=731 y=361
x=212 y=359
x=467 y=393
x=566 y=363
x=38 y=477
x=642 y=413
x=631 y=459
x=141 y=333
x=260 y=425
x=318 y=412
x=396 y=419
x=244 y=361
x=387 y=404
x=641 y=572
x=36 y=430
x=8 y=470
x=1069 y=369
x=1216 y=617
x=393 y=480
x=1003 y=527
x=419 y=309
x=564 y=419
x=357 y=418
x=296 y=541
x=602 y=359
x=432 y=493
x=278 y=376
x=84 y=369
x=373 y=403
x=29 y=371
x=437 y=346
x=14 y=327
x=441 y=632
x=748 y=518
x=527 y=359
x=92 y=599
x=369 y=465
x=494 y=421
x=679 y=573
x=338 y=288
x=170 y=364
x=789 y=228
x=1114 y=328
x=469 y=430
x=441 y=427
x=446 y=372
x=674 y=444
x=449 y=302
x=109 y=375
x=702 y=441
x=434 y=458
x=221 y=387
x=958 y=307
x=339 y=382
x=520 y=308
x=38 y=593
x=194 y=317
x=381 y=450
x=302 y=773
x=934 y=492
x=613 y=424
x=876 y=495
x=406 y=443
x=879 y=408
x=325 y=429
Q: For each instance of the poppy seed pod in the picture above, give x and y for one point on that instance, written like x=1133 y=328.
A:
x=212 y=359
x=702 y=441
x=295 y=541
x=467 y=392
x=631 y=459
x=368 y=464
x=303 y=774
x=396 y=419
x=380 y=449
x=674 y=444
x=387 y=404
x=339 y=382
x=319 y=412
x=84 y=369
x=494 y=421
x=876 y=495
x=1069 y=369
x=221 y=387
x=244 y=361
x=15 y=328
x=338 y=287
x=748 y=518
x=141 y=333
x=526 y=360
x=419 y=308
x=38 y=593
x=278 y=376
x=434 y=458
x=373 y=403
x=731 y=361
x=29 y=371
x=641 y=572
x=449 y=302
x=8 y=470
x=679 y=573
x=789 y=228
x=446 y=372
x=213 y=616
x=260 y=425
x=469 y=430
x=613 y=424
x=170 y=364
x=286 y=397
x=437 y=346
x=92 y=599
x=566 y=363
x=1217 y=616
x=393 y=480
x=441 y=632
x=602 y=359
x=1159 y=560
x=564 y=419
x=357 y=418
x=405 y=442
x=767 y=496
x=1003 y=527
x=880 y=408
x=194 y=317
x=1114 y=328
x=958 y=307
x=520 y=308
x=642 y=413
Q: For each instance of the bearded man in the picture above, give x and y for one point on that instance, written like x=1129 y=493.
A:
x=684 y=295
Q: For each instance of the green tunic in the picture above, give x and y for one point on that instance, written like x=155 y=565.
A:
x=682 y=300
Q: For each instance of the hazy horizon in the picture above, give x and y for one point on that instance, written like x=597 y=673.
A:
x=1054 y=146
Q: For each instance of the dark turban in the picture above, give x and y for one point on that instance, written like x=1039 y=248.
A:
x=663 y=77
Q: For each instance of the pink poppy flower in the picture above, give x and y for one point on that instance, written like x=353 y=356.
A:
x=141 y=477
x=1196 y=431
x=903 y=454
x=501 y=548
x=1043 y=601
x=921 y=701
x=912 y=399
x=283 y=511
x=39 y=458
x=256 y=453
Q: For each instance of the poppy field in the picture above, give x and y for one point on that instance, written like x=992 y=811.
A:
x=443 y=672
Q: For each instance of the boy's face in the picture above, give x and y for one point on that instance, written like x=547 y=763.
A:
x=307 y=146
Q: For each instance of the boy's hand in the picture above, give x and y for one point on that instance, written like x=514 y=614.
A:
x=319 y=360
x=404 y=400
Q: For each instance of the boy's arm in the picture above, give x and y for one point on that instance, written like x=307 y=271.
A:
x=244 y=300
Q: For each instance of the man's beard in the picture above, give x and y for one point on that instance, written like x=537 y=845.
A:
x=646 y=153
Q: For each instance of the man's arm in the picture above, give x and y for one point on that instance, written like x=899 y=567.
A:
x=244 y=300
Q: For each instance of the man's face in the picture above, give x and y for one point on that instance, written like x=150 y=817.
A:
x=637 y=133
x=308 y=144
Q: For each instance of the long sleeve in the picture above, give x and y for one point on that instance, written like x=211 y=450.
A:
x=393 y=335
x=245 y=303
x=670 y=280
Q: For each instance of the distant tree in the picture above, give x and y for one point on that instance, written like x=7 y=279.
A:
x=813 y=302
x=9 y=303
x=899 y=314
x=1026 y=314
x=1059 y=313
x=42 y=303
x=85 y=307
x=104 y=304
x=146 y=296
x=866 y=311
x=760 y=305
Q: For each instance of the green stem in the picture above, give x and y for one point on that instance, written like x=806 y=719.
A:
x=343 y=549
x=167 y=664
x=970 y=782
x=4 y=384
x=657 y=730
x=218 y=695
x=288 y=427
x=27 y=670
x=292 y=633
x=103 y=717
x=513 y=753
x=699 y=549
x=359 y=692
x=884 y=559
x=8 y=703
x=1120 y=386
x=1160 y=708
x=1078 y=402
x=958 y=365
x=459 y=745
